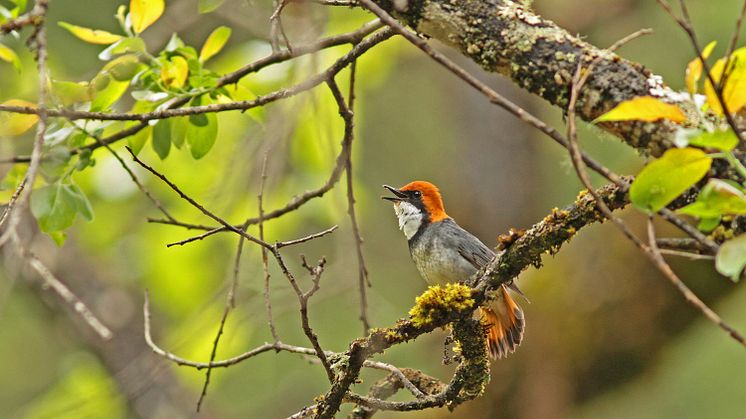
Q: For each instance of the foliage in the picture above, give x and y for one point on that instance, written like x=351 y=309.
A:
x=665 y=179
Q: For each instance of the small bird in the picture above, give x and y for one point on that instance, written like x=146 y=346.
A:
x=444 y=252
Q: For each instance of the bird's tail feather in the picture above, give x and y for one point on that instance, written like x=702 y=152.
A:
x=504 y=322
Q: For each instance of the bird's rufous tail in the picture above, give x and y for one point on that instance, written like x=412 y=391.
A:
x=504 y=324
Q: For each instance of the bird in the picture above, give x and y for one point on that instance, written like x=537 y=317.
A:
x=446 y=253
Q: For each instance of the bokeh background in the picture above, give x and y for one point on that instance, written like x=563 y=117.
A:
x=607 y=336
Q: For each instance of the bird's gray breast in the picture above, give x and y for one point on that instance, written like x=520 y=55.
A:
x=438 y=253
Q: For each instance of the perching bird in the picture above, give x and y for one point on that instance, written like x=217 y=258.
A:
x=446 y=253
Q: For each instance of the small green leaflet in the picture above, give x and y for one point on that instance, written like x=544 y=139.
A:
x=717 y=198
x=661 y=181
x=55 y=206
x=207 y=6
x=721 y=140
x=201 y=131
x=162 y=138
x=134 y=45
x=731 y=258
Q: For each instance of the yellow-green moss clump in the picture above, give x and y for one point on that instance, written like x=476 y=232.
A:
x=440 y=301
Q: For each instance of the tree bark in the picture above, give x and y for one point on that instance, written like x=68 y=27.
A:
x=505 y=37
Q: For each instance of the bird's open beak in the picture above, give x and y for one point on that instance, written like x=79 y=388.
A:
x=399 y=195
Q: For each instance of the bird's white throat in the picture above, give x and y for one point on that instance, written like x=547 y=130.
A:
x=410 y=218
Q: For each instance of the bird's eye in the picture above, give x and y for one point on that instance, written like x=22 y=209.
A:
x=417 y=194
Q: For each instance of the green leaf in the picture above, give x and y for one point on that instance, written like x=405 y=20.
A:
x=731 y=258
x=144 y=13
x=124 y=68
x=708 y=224
x=20 y=7
x=721 y=140
x=105 y=91
x=661 y=181
x=133 y=45
x=178 y=127
x=716 y=199
x=162 y=138
x=92 y=36
x=70 y=92
x=8 y=55
x=14 y=177
x=207 y=6
x=82 y=205
x=59 y=237
x=644 y=108
x=201 y=131
x=54 y=206
x=214 y=43
x=137 y=141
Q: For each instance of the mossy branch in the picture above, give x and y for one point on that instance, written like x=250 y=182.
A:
x=506 y=37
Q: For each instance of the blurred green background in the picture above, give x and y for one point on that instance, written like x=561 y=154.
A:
x=606 y=335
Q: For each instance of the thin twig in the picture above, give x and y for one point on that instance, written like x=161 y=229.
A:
x=655 y=255
x=303 y=297
x=60 y=289
x=304 y=239
x=686 y=255
x=265 y=265
x=277 y=346
x=347 y=113
x=579 y=79
x=129 y=171
x=38 y=41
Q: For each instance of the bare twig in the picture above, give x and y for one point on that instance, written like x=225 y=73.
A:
x=265 y=265
x=655 y=255
x=197 y=205
x=277 y=346
x=346 y=111
x=309 y=237
x=60 y=289
x=38 y=41
x=276 y=28
x=303 y=297
x=578 y=81
x=131 y=174
x=686 y=255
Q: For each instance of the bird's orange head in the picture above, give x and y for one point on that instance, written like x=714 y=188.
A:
x=424 y=196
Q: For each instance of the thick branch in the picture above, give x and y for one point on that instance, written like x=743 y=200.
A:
x=503 y=36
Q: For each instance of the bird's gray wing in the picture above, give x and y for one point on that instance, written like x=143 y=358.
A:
x=469 y=246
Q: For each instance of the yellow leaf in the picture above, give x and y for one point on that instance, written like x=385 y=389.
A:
x=8 y=55
x=14 y=124
x=734 y=91
x=214 y=43
x=644 y=108
x=92 y=36
x=174 y=73
x=694 y=69
x=144 y=13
